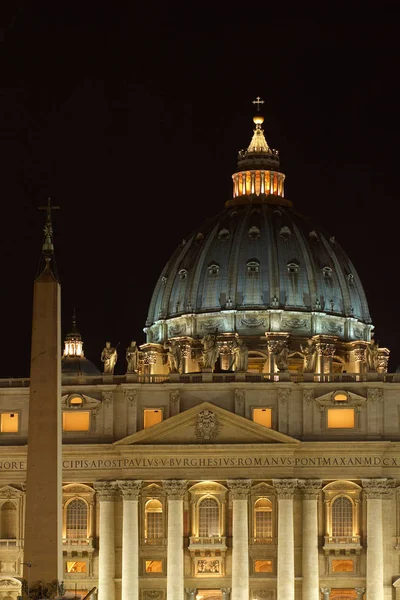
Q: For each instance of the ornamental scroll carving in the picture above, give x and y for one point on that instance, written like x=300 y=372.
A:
x=130 y=489
x=264 y=595
x=207 y=426
x=295 y=323
x=378 y=489
x=239 y=488
x=9 y=583
x=310 y=488
x=174 y=396
x=131 y=396
x=9 y=492
x=240 y=397
x=285 y=488
x=175 y=488
x=153 y=595
x=284 y=395
x=308 y=395
x=107 y=397
x=252 y=322
x=105 y=490
x=375 y=394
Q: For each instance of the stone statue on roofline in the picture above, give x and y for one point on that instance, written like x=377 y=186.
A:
x=132 y=358
x=109 y=357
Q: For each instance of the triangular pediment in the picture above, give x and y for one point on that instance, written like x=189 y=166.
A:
x=207 y=424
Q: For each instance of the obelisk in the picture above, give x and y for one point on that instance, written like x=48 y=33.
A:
x=43 y=517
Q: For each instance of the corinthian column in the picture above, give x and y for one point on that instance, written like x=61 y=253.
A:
x=106 y=496
x=310 y=488
x=175 y=576
x=375 y=490
x=130 y=539
x=240 y=538
x=285 y=491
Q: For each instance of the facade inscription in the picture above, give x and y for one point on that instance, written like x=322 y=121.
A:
x=216 y=462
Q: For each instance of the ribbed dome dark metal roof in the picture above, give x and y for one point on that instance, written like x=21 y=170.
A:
x=78 y=366
x=259 y=256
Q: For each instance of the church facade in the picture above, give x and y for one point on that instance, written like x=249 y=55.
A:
x=251 y=450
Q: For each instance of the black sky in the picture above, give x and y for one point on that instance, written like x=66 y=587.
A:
x=131 y=121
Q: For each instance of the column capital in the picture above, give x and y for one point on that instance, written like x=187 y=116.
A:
x=130 y=489
x=379 y=488
x=325 y=590
x=285 y=488
x=105 y=490
x=310 y=488
x=239 y=488
x=175 y=488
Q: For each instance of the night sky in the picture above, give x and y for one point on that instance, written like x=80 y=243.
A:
x=131 y=122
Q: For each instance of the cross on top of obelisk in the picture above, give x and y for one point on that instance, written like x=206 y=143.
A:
x=258 y=101
x=48 y=247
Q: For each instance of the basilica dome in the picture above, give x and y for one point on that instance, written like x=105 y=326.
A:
x=73 y=362
x=259 y=266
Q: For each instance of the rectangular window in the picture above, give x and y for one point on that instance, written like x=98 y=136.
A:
x=76 y=420
x=76 y=566
x=9 y=422
x=153 y=566
x=263 y=566
x=341 y=418
x=263 y=416
x=152 y=416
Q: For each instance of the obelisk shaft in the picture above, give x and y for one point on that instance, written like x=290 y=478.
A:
x=43 y=519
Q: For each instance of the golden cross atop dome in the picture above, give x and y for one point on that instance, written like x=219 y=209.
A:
x=258 y=101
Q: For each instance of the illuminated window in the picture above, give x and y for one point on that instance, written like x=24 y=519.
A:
x=76 y=421
x=253 y=267
x=9 y=422
x=213 y=269
x=263 y=416
x=341 y=418
x=340 y=397
x=223 y=234
x=342 y=517
x=153 y=566
x=342 y=566
x=293 y=267
x=152 y=416
x=75 y=401
x=77 y=519
x=285 y=233
x=263 y=518
x=8 y=521
x=254 y=233
x=208 y=517
x=153 y=519
x=76 y=566
x=263 y=566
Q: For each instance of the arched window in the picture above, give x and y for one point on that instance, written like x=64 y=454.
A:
x=263 y=518
x=208 y=517
x=8 y=521
x=77 y=519
x=153 y=519
x=342 y=517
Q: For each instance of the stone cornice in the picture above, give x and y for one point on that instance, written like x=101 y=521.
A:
x=239 y=488
x=105 y=490
x=285 y=488
x=378 y=488
x=130 y=489
x=175 y=488
x=310 y=488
